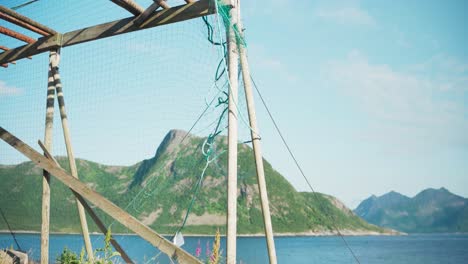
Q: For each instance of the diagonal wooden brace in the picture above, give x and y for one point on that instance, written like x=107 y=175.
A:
x=90 y=211
x=163 y=17
x=98 y=200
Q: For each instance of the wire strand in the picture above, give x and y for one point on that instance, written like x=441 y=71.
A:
x=9 y=228
x=315 y=195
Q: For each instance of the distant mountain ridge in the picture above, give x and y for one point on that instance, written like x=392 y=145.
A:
x=168 y=179
x=430 y=211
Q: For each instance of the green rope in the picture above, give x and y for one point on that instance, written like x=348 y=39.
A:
x=210 y=33
x=223 y=11
x=208 y=150
x=208 y=153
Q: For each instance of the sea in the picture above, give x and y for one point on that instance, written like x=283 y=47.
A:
x=411 y=249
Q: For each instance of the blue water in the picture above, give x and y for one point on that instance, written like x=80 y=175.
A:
x=412 y=249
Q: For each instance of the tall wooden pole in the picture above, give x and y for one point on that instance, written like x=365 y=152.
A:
x=16 y=35
x=49 y=121
x=254 y=132
x=26 y=20
x=233 y=63
x=71 y=157
x=127 y=220
x=90 y=211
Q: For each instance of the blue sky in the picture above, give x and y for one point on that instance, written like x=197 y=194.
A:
x=371 y=95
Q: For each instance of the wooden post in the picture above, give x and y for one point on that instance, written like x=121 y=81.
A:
x=49 y=121
x=70 y=154
x=26 y=20
x=90 y=211
x=21 y=23
x=233 y=64
x=117 y=27
x=256 y=146
x=8 y=32
x=102 y=203
x=130 y=6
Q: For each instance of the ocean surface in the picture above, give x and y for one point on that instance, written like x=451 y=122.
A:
x=411 y=249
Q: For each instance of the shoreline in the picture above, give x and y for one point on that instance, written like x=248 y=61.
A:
x=348 y=233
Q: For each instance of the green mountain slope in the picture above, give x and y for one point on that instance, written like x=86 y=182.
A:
x=432 y=210
x=158 y=192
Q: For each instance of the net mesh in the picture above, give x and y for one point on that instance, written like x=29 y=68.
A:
x=122 y=94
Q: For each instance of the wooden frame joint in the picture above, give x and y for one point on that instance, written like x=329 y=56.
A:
x=54 y=42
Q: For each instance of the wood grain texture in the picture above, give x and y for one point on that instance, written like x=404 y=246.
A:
x=70 y=153
x=98 y=200
x=233 y=66
x=26 y=20
x=11 y=33
x=45 y=211
x=90 y=211
x=122 y=26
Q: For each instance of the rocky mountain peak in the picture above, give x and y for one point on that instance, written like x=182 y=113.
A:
x=171 y=140
x=431 y=210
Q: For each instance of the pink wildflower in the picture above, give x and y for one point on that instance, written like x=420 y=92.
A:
x=198 y=250
x=208 y=252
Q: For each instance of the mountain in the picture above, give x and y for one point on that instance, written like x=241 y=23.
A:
x=430 y=211
x=158 y=191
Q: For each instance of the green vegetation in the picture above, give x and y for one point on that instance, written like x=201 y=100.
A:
x=68 y=257
x=159 y=190
x=101 y=255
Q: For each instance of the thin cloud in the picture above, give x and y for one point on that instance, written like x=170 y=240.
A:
x=449 y=72
x=262 y=59
x=407 y=110
x=346 y=15
x=6 y=90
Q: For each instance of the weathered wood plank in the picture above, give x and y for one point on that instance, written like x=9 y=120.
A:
x=54 y=64
x=233 y=66
x=48 y=138
x=90 y=210
x=148 y=11
x=22 y=24
x=26 y=20
x=101 y=202
x=158 y=18
x=16 y=35
x=130 y=6
x=255 y=136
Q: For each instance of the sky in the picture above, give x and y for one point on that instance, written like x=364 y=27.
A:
x=372 y=96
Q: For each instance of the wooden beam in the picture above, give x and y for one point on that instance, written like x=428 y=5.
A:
x=5 y=65
x=27 y=20
x=22 y=24
x=16 y=35
x=158 y=18
x=163 y=3
x=255 y=136
x=103 y=228
x=90 y=211
x=48 y=138
x=49 y=123
x=148 y=11
x=92 y=196
x=233 y=66
x=6 y=48
x=130 y=6
x=54 y=64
